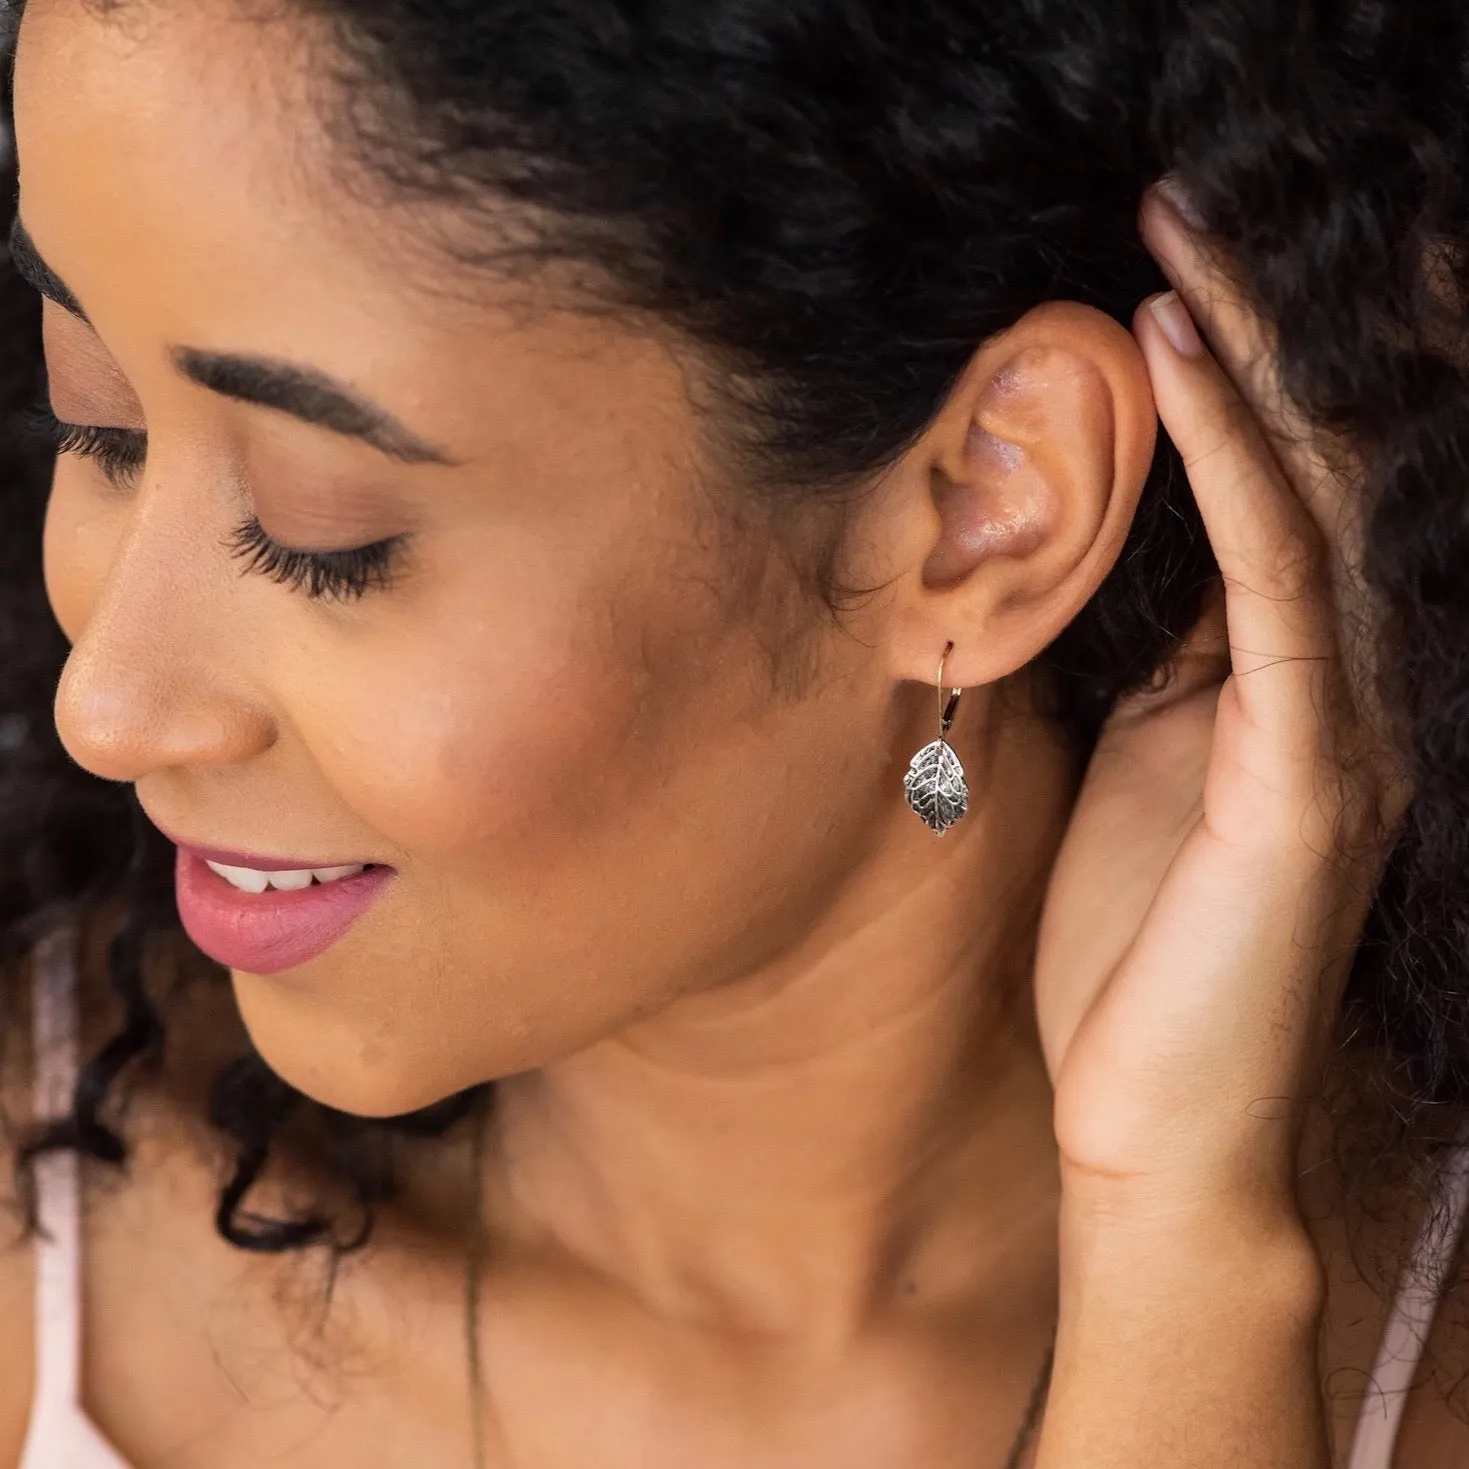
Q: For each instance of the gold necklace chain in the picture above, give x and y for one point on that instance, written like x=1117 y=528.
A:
x=477 y=1241
x=476 y=1273
x=1032 y=1410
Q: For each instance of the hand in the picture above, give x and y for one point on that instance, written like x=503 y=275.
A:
x=1208 y=896
x=1231 y=829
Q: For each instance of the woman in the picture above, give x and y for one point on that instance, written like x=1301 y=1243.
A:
x=648 y=713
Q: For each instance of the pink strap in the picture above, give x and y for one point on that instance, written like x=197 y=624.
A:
x=1407 y=1331
x=58 y=1269
x=61 y=1435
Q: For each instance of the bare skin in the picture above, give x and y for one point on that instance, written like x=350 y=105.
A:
x=773 y=1177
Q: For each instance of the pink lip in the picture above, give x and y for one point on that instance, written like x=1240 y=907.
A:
x=265 y=933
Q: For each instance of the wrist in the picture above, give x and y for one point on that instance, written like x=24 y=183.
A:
x=1151 y=1251
x=1186 y=1341
x=1252 y=1188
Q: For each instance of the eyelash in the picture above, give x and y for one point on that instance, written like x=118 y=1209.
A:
x=121 y=452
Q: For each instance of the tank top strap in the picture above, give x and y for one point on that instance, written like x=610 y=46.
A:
x=58 y=1176
x=1406 y=1336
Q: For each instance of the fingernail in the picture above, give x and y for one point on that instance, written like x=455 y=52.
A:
x=1181 y=202
x=1178 y=326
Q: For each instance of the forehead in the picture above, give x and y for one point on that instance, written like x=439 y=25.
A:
x=173 y=147
x=202 y=87
x=177 y=176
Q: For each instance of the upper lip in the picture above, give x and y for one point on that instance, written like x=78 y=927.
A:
x=257 y=863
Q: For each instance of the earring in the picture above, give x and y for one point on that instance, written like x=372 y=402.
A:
x=935 y=784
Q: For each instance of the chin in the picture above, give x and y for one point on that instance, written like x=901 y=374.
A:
x=374 y=1070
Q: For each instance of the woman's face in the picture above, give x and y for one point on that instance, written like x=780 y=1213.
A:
x=560 y=723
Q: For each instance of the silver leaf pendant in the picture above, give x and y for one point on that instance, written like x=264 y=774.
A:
x=935 y=786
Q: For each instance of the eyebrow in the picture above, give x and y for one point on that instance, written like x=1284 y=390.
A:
x=31 y=268
x=305 y=393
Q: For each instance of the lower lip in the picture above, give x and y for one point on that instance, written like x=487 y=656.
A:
x=265 y=933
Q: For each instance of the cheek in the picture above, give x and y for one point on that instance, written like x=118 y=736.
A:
x=574 y=757
x=491 y=715
x=534 y=751
x=444 y=754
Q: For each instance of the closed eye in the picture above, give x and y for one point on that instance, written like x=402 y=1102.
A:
x=121 y=453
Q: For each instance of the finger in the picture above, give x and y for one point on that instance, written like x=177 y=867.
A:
x=1245 y=346
x=1270 y=551
x=1320 y=471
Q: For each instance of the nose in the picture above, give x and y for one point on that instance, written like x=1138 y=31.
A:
x=155 y=679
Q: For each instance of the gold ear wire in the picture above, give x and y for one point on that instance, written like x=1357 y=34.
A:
x=946 y=711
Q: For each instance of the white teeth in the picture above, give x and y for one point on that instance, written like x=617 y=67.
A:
x=331 y=874
x=244 y=878
x=249 y=880
x=289 y=881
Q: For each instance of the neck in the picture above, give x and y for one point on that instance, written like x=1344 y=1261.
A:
x=863 y=1124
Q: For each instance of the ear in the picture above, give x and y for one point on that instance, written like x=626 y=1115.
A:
x=1011 y=509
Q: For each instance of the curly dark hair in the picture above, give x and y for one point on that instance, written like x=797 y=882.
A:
x=836 y=201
